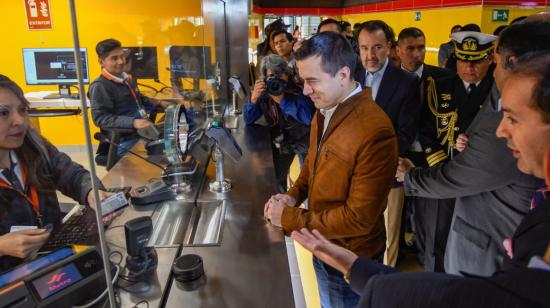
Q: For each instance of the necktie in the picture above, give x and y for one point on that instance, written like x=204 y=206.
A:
x=369 y=79
x=541 y=194
x=471 y=88
x=13 y=179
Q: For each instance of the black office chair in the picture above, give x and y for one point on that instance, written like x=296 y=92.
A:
x=106 y=152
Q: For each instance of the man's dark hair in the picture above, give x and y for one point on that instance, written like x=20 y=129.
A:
x=455 y=27
x=410 y=32
x=329 y=21
x=499 y=29
x=471 y=27
x=517 y=20
x=334 y=49
x=520 y=38
x=536 y=65
x=344 y=25
x=356 y=25
x=375 y=25
x=281 y=31
x=104 y=47
x=276 y=25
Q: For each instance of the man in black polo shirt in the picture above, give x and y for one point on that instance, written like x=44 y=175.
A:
x=115 y=98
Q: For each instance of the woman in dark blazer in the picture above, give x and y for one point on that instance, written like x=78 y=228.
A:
x=31 y=170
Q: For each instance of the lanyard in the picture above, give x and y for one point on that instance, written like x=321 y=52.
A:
x=32 y=198
x=133 y=91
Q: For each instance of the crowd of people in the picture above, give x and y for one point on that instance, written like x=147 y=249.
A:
x=453 y=153
x=458 y=152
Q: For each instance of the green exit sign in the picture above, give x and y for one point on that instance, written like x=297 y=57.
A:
x=501 y=15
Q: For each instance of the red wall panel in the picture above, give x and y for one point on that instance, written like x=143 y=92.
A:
x=398 y=5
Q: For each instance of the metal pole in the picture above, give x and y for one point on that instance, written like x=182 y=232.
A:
x=220 y=178
x=99 y=216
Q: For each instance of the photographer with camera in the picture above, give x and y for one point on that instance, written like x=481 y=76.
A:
x=283 y=107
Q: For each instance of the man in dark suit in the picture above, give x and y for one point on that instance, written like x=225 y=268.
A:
x=524 y=280
x=448 y=108
x=411 y=48
x=397 y=93
x=492 y=195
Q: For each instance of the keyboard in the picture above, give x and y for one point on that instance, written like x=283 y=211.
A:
x=80 y=228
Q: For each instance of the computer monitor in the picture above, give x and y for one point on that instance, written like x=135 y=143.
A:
x=143 y=62
x=189 y=62
x=45 y=66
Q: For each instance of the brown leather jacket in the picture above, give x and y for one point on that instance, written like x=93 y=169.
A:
x=348 y=179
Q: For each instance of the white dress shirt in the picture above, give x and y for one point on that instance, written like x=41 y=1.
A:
x=467 y=85
x=373 y=79
x=327 y=113
x=17 y=169
x=418 y=72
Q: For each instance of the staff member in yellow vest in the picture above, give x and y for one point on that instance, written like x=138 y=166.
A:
x=31 y=170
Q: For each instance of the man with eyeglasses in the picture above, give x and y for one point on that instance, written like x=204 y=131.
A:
x=282 y=41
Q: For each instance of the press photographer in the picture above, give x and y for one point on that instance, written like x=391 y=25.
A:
x=278 y=102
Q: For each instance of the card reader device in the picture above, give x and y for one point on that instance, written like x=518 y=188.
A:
x=62 y=278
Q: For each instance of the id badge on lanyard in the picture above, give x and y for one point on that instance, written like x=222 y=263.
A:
x=133 y=90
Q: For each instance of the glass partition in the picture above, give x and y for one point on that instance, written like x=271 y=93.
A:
x=174 y=53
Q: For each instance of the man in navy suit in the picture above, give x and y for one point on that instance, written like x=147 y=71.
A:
x=397 y=93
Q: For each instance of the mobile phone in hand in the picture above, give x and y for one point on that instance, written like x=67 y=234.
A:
x=113 y=203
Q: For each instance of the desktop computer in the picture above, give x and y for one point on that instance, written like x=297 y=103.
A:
x=54 y=66
x=189 y=62
x=142 y=61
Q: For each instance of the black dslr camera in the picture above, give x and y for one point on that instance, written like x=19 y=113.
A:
x=275 y=86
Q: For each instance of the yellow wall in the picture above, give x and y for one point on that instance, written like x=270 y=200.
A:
x=151 y=23
x=489 y=25
x=437 y=23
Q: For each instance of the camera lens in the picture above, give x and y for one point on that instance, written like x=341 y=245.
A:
x=275 y=86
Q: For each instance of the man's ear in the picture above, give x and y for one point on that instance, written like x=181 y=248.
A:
x=547 y=167
x=344 y=73
x=513 y=60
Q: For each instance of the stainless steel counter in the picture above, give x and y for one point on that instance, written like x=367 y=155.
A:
x=245 y=260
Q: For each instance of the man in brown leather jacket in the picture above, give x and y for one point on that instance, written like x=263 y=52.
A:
x=350 y=165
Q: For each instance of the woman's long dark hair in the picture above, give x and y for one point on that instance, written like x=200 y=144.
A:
x=33 y=153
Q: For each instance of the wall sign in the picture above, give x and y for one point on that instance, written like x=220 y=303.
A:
x=501 y=15
x=39 y=15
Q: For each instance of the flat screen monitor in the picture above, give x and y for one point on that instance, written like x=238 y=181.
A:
x=143 y=62
x=53 y=66
x=189 y=62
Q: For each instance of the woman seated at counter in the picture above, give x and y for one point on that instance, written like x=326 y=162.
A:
x=31 y=169
x=286 y=111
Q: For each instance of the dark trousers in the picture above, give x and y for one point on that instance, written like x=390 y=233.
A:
x=431 y=224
